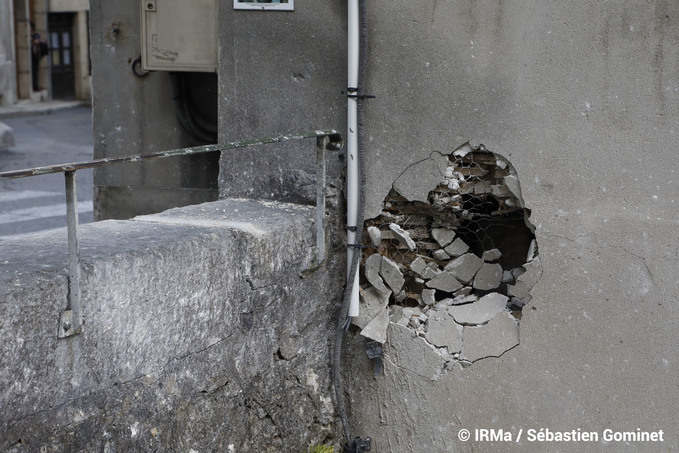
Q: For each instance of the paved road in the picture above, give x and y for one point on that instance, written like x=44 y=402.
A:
x=34 y=204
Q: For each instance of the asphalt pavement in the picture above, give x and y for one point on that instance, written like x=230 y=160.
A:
x=44 y=137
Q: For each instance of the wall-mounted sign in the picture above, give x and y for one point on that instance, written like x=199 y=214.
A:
x=281 y=5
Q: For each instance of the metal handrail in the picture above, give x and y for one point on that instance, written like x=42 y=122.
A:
x=71 y=322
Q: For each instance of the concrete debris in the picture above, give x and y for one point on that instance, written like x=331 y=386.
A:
x=532 y=274
x=488 y=277
x=519 y=290
x=443 y=236
x=429 y=296
x=371 y=270
x=391 y=274
x=458 y=222
x=464 y=299
x=445 y=281
x=419 y=266
x=491 y=255
x=465 y=267
x=377 y=328
x=481 y=311
x=440 y=255
x=491 y=340
x=402 y=235
x=372 y=302
x=442 y=331
x=466 y=291
x=375 y=236
x=457 y=248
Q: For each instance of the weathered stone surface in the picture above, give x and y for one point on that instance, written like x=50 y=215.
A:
x=491 y=340
x=443 y=236
x=443 y=331
x=465 y=267
x=402 y=236
x=481 y=311
x=375 y=236
x=391 y=274
x=457 y=248
x=491 y=255
x=377 y=327
x=445 y=281
x=409 y=353
x=195 y=318
x=372 y=302
x=372 y=268
x=488 y=277
x=428 y=296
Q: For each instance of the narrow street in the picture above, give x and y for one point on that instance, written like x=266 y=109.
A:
x=29 y=205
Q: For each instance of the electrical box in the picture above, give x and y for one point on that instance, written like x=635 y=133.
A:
x=179 y=35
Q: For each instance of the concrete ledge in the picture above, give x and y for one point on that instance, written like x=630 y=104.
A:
x=199 y=332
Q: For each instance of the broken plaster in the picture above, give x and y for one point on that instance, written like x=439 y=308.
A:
x=455 y=259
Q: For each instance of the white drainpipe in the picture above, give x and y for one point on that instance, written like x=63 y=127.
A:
x=352 y=148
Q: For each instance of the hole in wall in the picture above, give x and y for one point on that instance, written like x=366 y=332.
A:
x=452 y=256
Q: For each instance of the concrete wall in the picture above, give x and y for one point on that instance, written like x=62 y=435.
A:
x=8 y=88
x=134 y=115
x=205 y=330
x=578 y=96
x=581 y=98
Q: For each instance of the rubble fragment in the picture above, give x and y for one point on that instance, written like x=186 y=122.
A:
x=372 y=302
x=372 y=272
x=457 y=248
x=419 y=266
x=402 y=235
x=443 y=331
x=480 y=311
x=490 y=256
x=443 y=236
x=445 y=281
x=491 y=340
x=429 y=296
x=488 y=277
x=375 y=236
x=376 y=329
x=391 y=274
x=464 y=267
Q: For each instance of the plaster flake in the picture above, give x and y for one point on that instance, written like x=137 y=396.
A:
x=391 y=274
x=372 y=273
x=491 y=340
x=402 y=235
x=481 y=311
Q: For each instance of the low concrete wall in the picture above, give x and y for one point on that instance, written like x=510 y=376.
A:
x=206 y=330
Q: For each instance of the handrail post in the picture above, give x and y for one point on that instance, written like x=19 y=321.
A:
x=321 y=144
x=70 y=322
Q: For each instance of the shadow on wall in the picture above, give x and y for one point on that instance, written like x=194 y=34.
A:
x=451 y=257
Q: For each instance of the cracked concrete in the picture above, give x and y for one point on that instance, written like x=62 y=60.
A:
x=449 y=250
